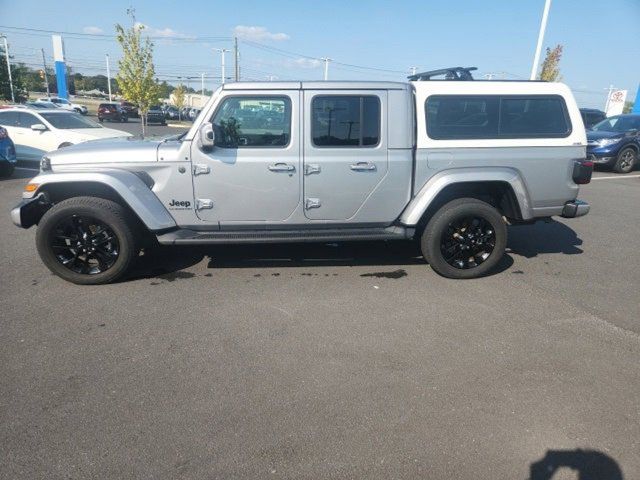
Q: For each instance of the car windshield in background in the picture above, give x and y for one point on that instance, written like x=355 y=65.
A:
x=618 y=124
x=69 y=120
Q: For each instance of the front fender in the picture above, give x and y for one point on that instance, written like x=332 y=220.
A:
x=436 y=184
x=133 y=191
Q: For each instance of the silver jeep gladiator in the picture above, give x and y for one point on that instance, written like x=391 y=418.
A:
x=447 y=163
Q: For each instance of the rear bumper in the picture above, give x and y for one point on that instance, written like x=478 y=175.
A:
x=577 y=208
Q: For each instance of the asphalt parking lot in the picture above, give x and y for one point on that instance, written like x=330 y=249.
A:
x=329 y=361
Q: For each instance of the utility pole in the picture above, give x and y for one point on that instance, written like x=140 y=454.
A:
x=6 y=53
x=236 y=55
x=222 y=52
x=610 y=89
x=44 y=69
x=108 y=76
x=543 y=27
x=202 y=83
x=326 y=61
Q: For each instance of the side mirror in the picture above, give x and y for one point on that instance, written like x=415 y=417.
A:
x=207 y=137
x=38 y=127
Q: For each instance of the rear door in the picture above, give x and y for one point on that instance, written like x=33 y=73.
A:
x=345 y=151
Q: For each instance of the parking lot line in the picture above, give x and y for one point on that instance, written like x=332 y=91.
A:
x=619 y=177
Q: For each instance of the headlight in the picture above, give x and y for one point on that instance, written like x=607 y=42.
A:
x=45 y=164
x=604 y=142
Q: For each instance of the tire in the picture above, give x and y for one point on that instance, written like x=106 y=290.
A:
x=446 y=231
x=101 y=120
x=125 y=119
x=626 y=160
x=113 y=231
x=6 y=169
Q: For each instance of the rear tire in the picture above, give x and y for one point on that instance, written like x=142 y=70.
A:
x=465 y=238
x=107 y=228
x=626 y=160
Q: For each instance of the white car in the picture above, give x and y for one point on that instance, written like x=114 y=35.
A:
x=65 y=104
x=35 y=132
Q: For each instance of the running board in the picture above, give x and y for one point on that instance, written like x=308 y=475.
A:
x=193 y=237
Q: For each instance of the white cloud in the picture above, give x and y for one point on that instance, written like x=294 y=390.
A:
x=92 y=30
x=161 y=32
x=258 y=34
x=306 y=63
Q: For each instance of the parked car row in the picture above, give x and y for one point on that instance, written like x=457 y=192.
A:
x=35 y=132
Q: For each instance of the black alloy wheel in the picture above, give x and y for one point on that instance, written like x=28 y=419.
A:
x=85 y=245
x=467 y=242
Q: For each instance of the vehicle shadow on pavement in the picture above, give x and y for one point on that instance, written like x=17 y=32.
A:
x=587 y=464
x=543 y=237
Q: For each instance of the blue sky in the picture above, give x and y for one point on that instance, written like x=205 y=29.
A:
x=601 y=38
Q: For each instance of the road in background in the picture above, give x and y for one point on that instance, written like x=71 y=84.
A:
x=327 y=361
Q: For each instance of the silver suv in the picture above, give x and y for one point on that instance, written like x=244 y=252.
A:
x=447 y=163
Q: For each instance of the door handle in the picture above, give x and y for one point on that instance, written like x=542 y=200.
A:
x=363 y=167
x=281 y=167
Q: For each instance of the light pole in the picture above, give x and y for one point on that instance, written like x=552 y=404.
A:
x=326 y=61
x=6 y=53
x=108 y=76
x=543 y=27
x=413 y=70
x=44 y=69
x=202 y=83
x=222 y=52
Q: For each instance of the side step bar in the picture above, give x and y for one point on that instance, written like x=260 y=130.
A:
x=193 y=237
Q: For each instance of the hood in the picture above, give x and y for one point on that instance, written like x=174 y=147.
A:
x=96 y=133
x=593 y=135
x=118 y=150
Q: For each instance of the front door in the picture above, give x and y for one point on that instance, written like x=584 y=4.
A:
x=345 y=151
x=252 y=174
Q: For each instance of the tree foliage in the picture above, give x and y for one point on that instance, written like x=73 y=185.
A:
x=136 y=74
x=628 y=106
x=17 y=71
x=550 y=71
x=178 y=96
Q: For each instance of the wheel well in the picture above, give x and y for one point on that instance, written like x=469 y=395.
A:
x=56 y=192
x=496 y=193
x=632 y=146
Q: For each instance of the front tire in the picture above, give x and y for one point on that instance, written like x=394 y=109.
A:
x=626 y=160
x=87 y=240
x=465 y=238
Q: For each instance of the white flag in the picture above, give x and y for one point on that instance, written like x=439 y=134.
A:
x=615 y=102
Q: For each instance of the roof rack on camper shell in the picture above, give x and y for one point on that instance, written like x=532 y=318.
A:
x=451 y=73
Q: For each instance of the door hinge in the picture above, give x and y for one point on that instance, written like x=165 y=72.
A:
x=199 y=169
x=310 y=203
x=310 y=168
x=204 y=204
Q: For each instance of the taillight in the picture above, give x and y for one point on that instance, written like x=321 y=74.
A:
x=3 y=133
x=582 y=171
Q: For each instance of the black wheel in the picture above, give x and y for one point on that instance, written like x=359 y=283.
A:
x=6 y=169
x=625 y=160
x=466 y=238
x=101 y=120
x=125 y=119
x=86 y=240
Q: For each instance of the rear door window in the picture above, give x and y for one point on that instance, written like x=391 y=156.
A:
x=345 y=121
x=10 y=119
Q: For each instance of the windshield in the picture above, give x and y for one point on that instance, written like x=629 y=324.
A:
x=69 y=120
x=618 y=124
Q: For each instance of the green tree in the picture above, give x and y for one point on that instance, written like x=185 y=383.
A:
x=136 y=75
x=17 y=75
x=628 y=106
x=550 y=71
x=178 y=99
